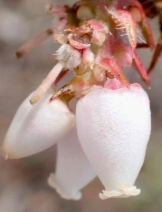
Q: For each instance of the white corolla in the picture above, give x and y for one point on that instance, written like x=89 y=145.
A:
x=113 y=125
x=73 y=170
x=37 y=127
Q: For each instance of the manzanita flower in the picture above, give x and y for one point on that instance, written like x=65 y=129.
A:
x=36 y=128
x=73 y=170
x=113 y=125
x=113 y=117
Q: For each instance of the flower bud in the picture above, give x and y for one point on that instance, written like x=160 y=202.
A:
x=114 y=127
x=73 y=170
x=37 y=127
x=68 y=56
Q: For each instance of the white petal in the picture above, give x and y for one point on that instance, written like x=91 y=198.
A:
x=114 y=128
x=73 y=170
x=36 y=128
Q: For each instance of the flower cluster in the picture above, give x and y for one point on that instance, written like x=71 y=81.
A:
x=108 y=134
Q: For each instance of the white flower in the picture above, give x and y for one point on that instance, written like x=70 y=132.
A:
x=114 y=127
x=37 y=127
x=73 y=170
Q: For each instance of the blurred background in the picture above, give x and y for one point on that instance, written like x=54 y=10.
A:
x=23 y=186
